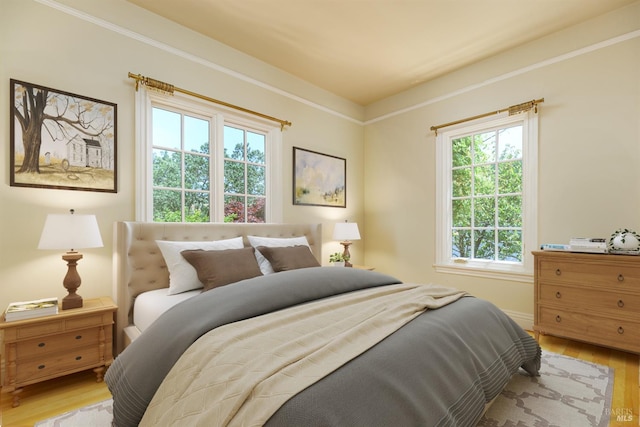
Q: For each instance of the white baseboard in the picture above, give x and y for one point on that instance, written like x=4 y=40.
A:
x=524 y=320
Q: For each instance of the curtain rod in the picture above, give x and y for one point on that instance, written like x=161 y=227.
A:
x=514 y=109
x=169 y=88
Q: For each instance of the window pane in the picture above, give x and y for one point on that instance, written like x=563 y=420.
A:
x=256 y=209
x=234 y=177
x=461 y=244
x=166 y=129
x=167 y=169
x=233 y=209
x=461 y=152
x=255 y=147
x=167 y=206
x=233 y=143
x=196 y=172
x=196 y=207
x=510 y=177
x=461 y=182
x=510 y=245
x=484 y=212
x=510 y=143
x=196 y=135
x=461 y=212
x=510 y=208
x=484 y=244
x=484 y=180
x=484 y=148
x=256 y=180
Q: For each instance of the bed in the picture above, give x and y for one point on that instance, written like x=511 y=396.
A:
x=301 y=345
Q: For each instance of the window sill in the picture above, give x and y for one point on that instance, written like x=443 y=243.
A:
x=466 y=270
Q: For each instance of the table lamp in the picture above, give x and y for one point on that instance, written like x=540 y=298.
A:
x=71 y=232
x=346 y=232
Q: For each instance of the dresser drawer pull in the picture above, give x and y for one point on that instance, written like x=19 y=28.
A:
x=620 y=303
x=41 y=344
x=558 y=272
x=78 y=337
x=620 y=278
x=558 y=318
x=41 y=367
x=78 y=357
x=620 y=330
x=558 y=294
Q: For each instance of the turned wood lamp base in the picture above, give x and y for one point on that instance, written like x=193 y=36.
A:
x=72 y=281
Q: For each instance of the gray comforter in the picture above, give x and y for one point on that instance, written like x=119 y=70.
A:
x=439 y=369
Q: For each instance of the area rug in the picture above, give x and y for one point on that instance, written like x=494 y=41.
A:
x=569 y=392
x=97 y=415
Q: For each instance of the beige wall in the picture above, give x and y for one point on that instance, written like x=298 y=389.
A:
x=70 y=46
x=589 y=147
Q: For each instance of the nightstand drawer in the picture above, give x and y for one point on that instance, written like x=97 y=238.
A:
x=53 y=365
x=85 y=322
x=39 y=329
x=576 y=297
x=54 y=343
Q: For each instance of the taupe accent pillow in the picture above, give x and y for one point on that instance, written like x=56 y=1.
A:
x=289 y=257
x=221 y=267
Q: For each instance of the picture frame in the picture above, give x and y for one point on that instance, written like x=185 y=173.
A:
x=319 y=179
x=61 y=140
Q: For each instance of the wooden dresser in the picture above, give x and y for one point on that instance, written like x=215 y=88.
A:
x=47 y=347
x=588 y=297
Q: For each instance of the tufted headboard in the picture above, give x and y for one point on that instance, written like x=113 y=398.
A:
x=139 y=266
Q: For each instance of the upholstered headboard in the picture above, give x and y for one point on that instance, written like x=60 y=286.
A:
x=140 y=267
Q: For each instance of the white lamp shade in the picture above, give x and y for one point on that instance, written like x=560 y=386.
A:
x=70 y=232
x=346 y=231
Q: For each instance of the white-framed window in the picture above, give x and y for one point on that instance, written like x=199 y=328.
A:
x=200 y=162
x=486 y=197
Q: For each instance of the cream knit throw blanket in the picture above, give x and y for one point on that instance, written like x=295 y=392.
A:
x=240 y=374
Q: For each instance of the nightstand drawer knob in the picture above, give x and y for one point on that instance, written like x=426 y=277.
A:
x=620 y=330
x=558 y=318
x=41 y=344
x=620 y=303
x=558 y=294
x=78 y=337
x=41 y=367
x=558 y=272
x=78 y=357
x=620 y=278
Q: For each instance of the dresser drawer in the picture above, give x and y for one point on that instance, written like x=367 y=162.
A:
x=576 y=297
x=618 y=333
x=40 y=347
x=613 y=276
x=55 y=364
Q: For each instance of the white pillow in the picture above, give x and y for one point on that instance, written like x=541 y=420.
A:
x=182 y=275
x=274 y=242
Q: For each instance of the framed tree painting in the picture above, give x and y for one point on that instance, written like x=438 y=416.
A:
x=61 y=140
x=319 y=179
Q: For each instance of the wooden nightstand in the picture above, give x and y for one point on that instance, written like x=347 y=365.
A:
x=47 y=347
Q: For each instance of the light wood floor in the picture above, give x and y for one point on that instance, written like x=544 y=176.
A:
x=55 y=397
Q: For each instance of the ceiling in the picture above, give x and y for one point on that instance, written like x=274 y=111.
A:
x=366 y=50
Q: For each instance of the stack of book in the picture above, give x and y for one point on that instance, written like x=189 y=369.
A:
x=30 y=309
x=596 y=245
